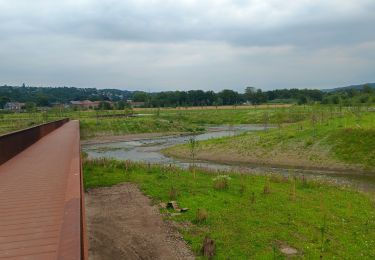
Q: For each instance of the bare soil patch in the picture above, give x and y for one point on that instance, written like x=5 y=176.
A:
x=122 y=224
x=293 y=159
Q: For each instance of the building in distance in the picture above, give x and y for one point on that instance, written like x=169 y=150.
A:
x=14 y=106
x=87 y=104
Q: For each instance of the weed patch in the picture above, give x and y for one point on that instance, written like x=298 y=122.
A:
x=322 y=219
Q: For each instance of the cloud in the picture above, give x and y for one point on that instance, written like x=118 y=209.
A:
x=168 y=44
x=244 y=22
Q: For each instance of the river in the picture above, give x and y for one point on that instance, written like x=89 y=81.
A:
x=149 y=151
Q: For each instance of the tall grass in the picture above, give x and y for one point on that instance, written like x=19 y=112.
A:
x=323 y=139
x=249 y=224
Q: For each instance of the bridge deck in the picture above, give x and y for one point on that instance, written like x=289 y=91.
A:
x=40 y=199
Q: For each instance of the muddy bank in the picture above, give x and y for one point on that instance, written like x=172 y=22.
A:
x=122 y=224
x=285 y=161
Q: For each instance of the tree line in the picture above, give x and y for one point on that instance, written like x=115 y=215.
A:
x=254 y=96
x=226 y=97
x=49 y=96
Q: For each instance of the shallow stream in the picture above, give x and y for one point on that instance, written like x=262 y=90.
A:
x=149 y=151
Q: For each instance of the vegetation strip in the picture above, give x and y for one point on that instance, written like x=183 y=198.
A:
x=253 y=216
x=324 y=140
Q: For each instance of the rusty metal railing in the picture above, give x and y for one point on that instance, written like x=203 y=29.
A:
x=15 y=142
x=84 y=238
x=73 y=242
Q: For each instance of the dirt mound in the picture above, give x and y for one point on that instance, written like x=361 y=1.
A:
x=122 y=224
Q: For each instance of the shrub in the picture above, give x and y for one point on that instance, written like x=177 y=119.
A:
x=242 y=188
x=201 y=216
x=309 y=142
x=173 y=193
x=252 y=198
x=292 y=194
x=221 y=182
x=277 y=178
x=267 y=187
x=242 y=185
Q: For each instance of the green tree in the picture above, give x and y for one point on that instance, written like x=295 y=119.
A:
x=302 y=100
x=105 y=105
x=121 y=105
x=250 y=93
x=367 y=89
x=30 y=107
x=42 y=100
x=3 y=101
x=140 y=96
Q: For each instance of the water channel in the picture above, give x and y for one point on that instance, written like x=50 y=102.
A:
x=149 y=151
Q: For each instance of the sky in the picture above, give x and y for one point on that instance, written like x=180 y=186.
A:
x=160 y=45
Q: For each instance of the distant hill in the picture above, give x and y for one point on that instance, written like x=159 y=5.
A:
x=49 y=95
x=357 y=87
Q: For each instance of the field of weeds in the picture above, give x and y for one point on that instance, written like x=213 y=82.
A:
x=263 y=217
x=323 y=139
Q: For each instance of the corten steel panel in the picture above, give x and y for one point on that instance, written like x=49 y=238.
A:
x=15 y=142
x=40 y=199
x=84 y=239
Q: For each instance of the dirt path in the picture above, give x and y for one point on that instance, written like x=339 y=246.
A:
x=122 y=224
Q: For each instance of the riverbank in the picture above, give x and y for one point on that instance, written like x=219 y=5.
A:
x=341 y=144
x=251 y=216
x=280 y=160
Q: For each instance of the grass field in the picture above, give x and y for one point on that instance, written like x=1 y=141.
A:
x=248 y=216
x=254 y=216
x=97 y=123
x=113 y=122
x=305 y=136
x=183 y=120
x=321 y=140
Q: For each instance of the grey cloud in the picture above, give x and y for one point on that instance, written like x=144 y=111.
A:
x=127 y=20
x=187 y=44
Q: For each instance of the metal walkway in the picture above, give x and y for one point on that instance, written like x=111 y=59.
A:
x=41 y=213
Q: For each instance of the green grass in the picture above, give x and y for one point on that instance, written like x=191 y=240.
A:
x=180 y=120
x=91 y=125
x=246 y=223
x=120 y=126
x=98 y=123
x=14 y=121
x=340 y=141
x=236 y=115
x=354 y=145
x=7 y=126
x=94 y=123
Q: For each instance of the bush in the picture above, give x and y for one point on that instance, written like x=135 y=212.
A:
x=201 y=216
x=173 y=193
x=221 y=182
x=309 y=142
x=267 y=187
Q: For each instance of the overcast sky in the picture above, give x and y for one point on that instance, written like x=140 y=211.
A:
x=155 y=45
